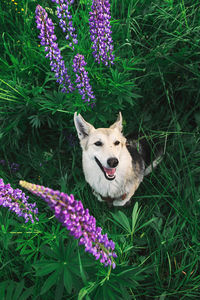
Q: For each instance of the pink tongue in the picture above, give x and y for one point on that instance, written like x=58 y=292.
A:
x=110 y=171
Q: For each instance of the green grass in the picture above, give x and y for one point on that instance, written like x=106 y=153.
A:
x=155 y=84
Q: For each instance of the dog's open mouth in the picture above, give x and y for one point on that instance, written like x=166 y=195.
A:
x=108 y=172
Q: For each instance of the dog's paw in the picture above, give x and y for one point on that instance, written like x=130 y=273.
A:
x=125 y=202
x=119 y=202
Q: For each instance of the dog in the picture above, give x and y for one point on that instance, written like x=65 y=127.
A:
x=113 y=165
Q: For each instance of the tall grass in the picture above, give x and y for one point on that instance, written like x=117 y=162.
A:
x=155 y=83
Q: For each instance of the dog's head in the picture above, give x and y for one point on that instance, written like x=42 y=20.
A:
x=102 y=145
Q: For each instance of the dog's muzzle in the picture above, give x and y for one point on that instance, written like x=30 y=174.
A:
x=109 y=173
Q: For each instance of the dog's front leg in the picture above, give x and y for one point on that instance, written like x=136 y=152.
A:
x=98 y=196
x=130 y=194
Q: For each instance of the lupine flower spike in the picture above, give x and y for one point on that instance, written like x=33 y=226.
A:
x=14 y=167
x=82 y=80
x=17 y=202
x=65 y=21
x=100 y=31
x=78 y=221
x=48 y=39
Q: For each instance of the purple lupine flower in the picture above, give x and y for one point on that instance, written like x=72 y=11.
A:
x=70 y=138
x=17 y=202
x=48 y=39
x=2 y=162
x=100 y=31
x=82 y=80
x=78 y=221
x=65 y=21
x=14 y=167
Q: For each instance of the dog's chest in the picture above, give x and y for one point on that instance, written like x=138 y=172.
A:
x=106 y=188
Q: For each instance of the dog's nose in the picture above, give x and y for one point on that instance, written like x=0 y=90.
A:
x=112 y=162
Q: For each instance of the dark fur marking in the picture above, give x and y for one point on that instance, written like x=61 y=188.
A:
x=136 y=156
x=82 y=129
x=147 y=148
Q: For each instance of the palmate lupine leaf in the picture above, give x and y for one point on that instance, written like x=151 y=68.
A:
x=130 y=226
x=15 y=290
x=60 y=266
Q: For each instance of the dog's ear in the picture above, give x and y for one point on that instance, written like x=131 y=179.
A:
x=118 y=123
x=83 y=128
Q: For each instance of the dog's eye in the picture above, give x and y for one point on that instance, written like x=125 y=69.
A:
x=98 y=144
x=116 y=143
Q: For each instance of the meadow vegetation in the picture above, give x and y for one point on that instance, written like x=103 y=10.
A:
x=154 y=81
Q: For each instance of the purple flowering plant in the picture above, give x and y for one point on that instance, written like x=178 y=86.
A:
x=102 y=44
x=100 y=31
x=65 y=21
x=48 y=39
x=17 y=202
x=14 y=167
x=82 y=80
x=78 y=222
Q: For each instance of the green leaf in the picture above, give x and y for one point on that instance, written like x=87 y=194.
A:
x=109 y=293
x=14 y=60
x=51 y=280
x=146 y=223
x=197 y=118
x=67 y=280
x=18 y=290
x=26 y=294
x=10 y=290
x=163 y=296
x=47 y=251
x=135 y=215
x=86 y=290
x=59 y=288
x=122 y=220
x=83 y=292
x=128 y=270
x=3 y=288
x=47 y=268
x=124 y=293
